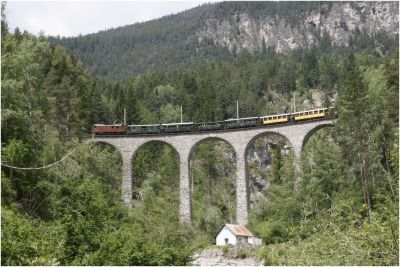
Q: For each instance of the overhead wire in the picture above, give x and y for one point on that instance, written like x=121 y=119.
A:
x=40 y=168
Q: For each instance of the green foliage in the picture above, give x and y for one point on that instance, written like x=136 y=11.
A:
x=321 y=168
x=174 y=42
x=214 y=199
x=129 y=246
x=225 y=250
x=344 y=210
x=348 y=201
x=241 y=254
x=18 y=238
x=333 y=242
x=71 y=213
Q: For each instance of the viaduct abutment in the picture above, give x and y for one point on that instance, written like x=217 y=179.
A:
x=297 y=134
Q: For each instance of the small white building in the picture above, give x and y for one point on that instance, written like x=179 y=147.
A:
x=234 y=234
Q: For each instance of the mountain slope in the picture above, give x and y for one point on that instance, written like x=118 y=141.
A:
x=216 y=32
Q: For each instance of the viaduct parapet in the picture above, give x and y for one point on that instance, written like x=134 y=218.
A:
x=297 y=134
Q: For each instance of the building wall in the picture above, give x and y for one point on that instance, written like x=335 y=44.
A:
x=242 y=240
x=225 y=233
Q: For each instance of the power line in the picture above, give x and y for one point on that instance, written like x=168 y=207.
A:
x=40 y=168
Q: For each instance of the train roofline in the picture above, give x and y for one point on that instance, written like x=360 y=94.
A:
x=177 y=123
x=311 y=110
x=209 y=122
x=248 y=118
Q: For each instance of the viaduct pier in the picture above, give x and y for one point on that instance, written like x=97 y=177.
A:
x=296 y=133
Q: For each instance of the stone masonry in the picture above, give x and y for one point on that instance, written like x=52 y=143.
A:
x=297 y=135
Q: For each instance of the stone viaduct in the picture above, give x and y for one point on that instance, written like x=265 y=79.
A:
x=297 y=134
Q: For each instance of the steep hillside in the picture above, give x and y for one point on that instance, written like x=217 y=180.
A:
x=217 y=32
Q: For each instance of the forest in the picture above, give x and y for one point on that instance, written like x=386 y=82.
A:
x=172 y=42
x=344 y=210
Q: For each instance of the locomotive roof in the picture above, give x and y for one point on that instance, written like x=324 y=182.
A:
x=99 y=124
x=177 y=123
x=248 y=118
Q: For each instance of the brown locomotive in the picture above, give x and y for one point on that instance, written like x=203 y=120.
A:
x=109 y=129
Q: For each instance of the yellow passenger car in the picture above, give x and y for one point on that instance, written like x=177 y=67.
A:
x=275 y=119
x=310 y=114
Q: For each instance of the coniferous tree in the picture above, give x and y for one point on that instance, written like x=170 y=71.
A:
x=353 y=125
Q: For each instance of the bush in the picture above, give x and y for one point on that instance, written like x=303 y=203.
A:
x=242 y=254
x=225 y=250
x=271 y=232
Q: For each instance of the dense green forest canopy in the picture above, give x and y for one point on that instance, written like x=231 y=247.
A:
x=343 y=212
x=171 y=42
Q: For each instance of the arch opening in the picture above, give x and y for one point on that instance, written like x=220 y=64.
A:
x=321 y=167
x=269 y=162
x=313 y=131
x=213 y=184
x=109 y=158
x=155 y=178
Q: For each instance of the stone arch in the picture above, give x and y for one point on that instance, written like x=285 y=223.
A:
x=263 y=134
x=229 y=202
x=120 y=156
x=144 y=144
x=314 y=130
x=93 y=141
x=207 y=138
x=151 y=141
x=170 y=181
x=247 y=168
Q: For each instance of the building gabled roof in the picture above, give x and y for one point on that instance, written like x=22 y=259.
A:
x=237 y=229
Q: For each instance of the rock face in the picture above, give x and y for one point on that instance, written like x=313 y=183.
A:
x=339 y=20
x=259 y=160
